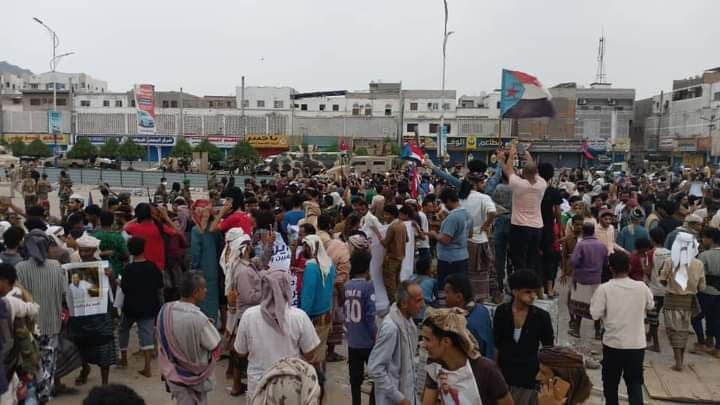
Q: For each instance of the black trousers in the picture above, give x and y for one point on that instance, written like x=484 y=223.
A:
x=525 y=247
x=625 y=363
x=357 y=358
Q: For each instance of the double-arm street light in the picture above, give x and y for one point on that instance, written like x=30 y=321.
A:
x=53 y=67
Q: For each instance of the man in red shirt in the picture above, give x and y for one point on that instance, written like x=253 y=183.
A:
x=238 y=218
x=148 y=223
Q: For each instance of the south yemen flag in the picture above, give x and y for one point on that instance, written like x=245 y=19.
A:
x=523 y=96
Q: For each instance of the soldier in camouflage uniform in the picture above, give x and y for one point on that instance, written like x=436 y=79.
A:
x=64 y=191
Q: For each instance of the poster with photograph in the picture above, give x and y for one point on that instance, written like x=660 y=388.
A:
x=88 y=288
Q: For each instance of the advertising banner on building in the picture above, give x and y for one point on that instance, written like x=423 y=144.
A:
x=667 y=144
x=704 y=144
x=154 y=140
x=62 y=139
x=54 y=122
x=145 y=108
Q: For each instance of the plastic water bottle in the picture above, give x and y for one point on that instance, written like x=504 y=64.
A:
x=31 y=398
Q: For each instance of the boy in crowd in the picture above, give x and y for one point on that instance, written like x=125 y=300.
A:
x=652 y=276
x=141 y=284
x=520 y=328
x=359 y=321
x=12 y=238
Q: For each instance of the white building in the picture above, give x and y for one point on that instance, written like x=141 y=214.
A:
x=80 y=82
x=10 y=83
x=264 y=99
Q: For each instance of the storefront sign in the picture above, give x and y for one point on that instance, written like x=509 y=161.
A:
x=686 y=145
x=259 y=141
x=704 y=144
x=62 y=139
x=598 y=145
x=154 y=140
x=621 y=145
x=98 y=139
x=667 y=144
x=267 y=141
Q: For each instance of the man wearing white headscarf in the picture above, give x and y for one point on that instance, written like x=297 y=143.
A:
x=317 y=290
x=273 y=330
x=683 y=277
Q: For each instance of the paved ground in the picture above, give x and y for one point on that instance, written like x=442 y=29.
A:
x=338 y=391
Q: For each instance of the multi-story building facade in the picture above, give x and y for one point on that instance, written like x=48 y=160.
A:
x=10 y=83
x=80 y=82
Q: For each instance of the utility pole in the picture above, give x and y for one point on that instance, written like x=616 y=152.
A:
x=53 y=67
x=661 y=110
x=242 y=108
x=711 y=125
x=182 y=117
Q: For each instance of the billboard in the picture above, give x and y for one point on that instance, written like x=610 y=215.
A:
x=259 y=141
x=54 y=122
x=145 y=108
x=49 y=139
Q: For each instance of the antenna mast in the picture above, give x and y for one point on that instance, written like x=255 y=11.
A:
x=601 y=75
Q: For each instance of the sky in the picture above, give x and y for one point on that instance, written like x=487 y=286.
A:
x=206 y=46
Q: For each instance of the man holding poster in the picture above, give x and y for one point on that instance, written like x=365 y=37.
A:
x=90 y=324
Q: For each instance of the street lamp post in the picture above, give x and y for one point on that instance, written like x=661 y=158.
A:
x=53 y=66
x=441 y=133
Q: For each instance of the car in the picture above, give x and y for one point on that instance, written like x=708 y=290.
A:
x=145 y=120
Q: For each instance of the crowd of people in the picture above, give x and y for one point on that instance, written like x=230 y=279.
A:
x=277 y=275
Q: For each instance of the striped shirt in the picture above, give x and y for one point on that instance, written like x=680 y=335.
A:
x=47 y=283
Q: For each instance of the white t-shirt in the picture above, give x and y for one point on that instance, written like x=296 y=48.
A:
x=478 y=205
x=425 y=226
x=266 y=346
x=368 y=223
x=455 y=387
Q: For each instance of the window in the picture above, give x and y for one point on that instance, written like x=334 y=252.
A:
x=434 y=128
x=34 y=86
x=278 y=104
x=497 y=105
x=303 y=107
x=118 y=103
x=413 y=106
x=716 y=96
x=132 y=103
x=388 y=110
x=322 y=107
x=368 y=111
x=336 y=107
x=17 y=100
x=84 y=103
x=61 y=101
x=432 y=106
x=261 y=104
x=447 y=128
x=446 y=106
x=173 y=104
x=619 y=108
x=165 y=104
x=296 y=106
x=228 y=104
x=412 y=128
x=355 y=110
x=584 y=107
x=36 y=101
x=106 y=103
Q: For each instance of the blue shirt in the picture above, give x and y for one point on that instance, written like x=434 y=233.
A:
x=480 y=325
x=360 y=313
x=455 y=225
x=626 y=237
x=316 y=297
x=292 y=218
x=430 y=291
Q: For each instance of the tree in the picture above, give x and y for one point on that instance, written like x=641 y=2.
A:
x=38 y=149
x=17 y=147
x=82 y=149
x=332 y=148
x=361 y=151
x=395 y=149
x=109 y=149
x=243 y=151
x=130 y=151
x=214 y=153
x=182 y=149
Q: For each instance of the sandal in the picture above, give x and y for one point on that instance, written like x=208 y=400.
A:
x=334 y=357
x=241 y=391
x=83 y=377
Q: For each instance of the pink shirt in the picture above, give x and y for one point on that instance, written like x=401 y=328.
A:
x=526 y=199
